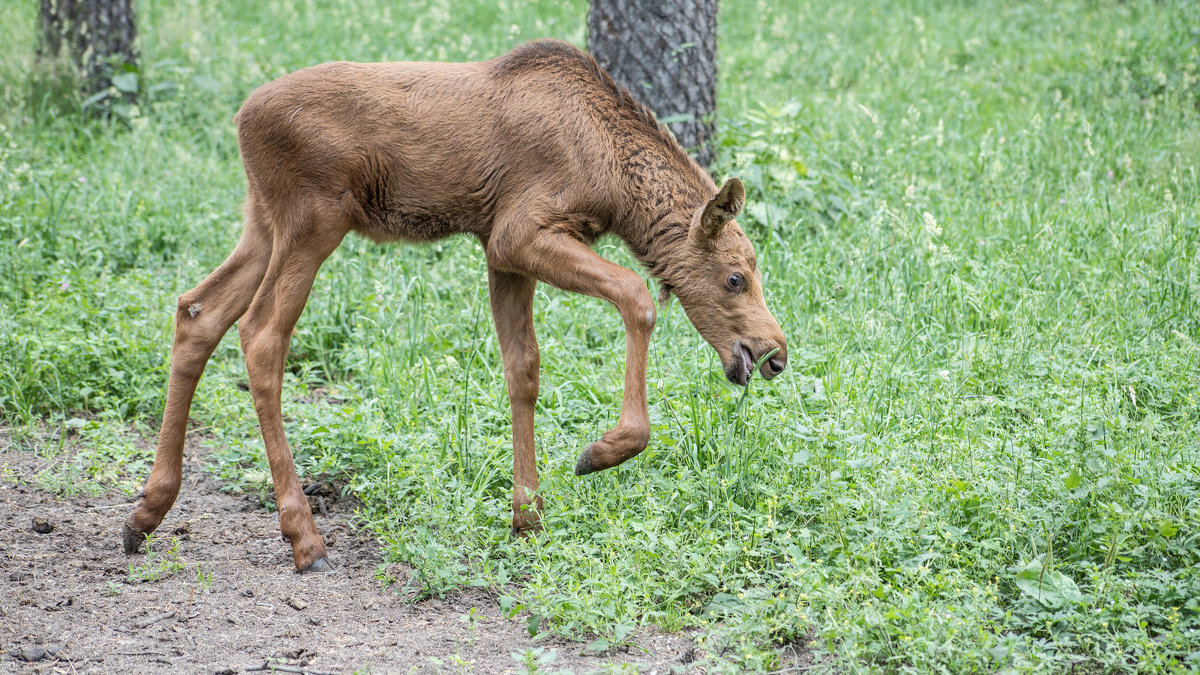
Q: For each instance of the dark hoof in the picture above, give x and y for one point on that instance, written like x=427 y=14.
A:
x=527 y=520
x=526 y=533
x=528 y=529
x=319 y=565
x=132 y=540
x=584 y=465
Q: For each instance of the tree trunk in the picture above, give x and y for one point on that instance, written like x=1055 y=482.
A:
x=94 y=36
x=665 y=53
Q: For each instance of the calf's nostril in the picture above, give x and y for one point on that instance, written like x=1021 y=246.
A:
x=776 y=365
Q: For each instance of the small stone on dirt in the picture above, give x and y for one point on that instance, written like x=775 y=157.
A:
x=29 y=654
x=295 y=603
x=293 y=654
x=322 y=489
x=42 y=526
x=688 y=656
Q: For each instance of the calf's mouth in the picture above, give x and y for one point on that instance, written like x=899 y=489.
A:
x=740 y=365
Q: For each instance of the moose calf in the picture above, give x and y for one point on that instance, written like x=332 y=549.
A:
x=536 y=153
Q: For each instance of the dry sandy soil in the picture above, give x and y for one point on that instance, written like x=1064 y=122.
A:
x=67 y=603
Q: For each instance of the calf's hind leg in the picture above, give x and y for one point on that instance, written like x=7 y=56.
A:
x=204 y=315
x=265 y=332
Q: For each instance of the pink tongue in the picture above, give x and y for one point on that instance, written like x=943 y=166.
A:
x=747 y=360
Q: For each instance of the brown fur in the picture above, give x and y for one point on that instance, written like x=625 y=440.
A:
x=536 y=153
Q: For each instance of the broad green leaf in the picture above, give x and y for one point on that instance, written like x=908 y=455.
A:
x=1049 y=587
x=126 y=82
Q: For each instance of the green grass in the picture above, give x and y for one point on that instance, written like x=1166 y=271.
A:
x=158 y=564
x=977 y=223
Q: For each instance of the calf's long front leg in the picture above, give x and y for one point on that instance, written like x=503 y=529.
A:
x=512 y=310
x=549 y=255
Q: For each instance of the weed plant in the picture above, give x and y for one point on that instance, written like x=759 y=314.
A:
x=976 y=222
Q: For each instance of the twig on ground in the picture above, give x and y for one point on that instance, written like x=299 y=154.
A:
x=144 y=623
x=96 y=507
x=267 y=665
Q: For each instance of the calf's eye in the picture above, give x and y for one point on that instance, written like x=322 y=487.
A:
x=735 y=281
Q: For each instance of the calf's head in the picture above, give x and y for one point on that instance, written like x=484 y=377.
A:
x=718 y=283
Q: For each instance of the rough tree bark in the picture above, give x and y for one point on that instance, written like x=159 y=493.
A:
x=665 y=52
x=94 y=36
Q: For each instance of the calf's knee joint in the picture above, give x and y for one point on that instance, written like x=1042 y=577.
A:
x=640 y=311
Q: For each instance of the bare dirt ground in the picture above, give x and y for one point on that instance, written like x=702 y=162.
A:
x=228 y=601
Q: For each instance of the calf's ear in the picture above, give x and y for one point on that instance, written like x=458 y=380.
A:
x=723 y=208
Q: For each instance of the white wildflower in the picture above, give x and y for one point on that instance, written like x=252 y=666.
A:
x=931 y=225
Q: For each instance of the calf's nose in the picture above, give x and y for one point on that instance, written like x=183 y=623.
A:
x=775 y=365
